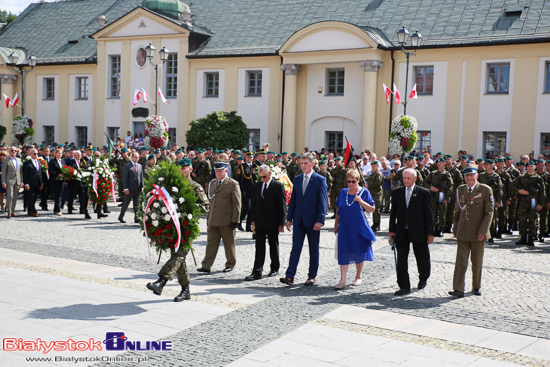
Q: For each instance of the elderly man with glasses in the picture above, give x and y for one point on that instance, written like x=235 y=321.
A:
x=32 y=181
x=12 y=172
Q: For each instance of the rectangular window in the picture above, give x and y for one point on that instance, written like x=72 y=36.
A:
x=139 y=127
x=49 y=135
x=545 y=144
x=335 y=82
x=547 y=77
x=212 y=84
x=254 y=84
x=172 y=76
x=49 y=88
x=424 y=139
x=115 y=77
x=498 y=78
x=494 y=144
x=82 y=88
x=113 y=133
x=424 y=79
x=254 y=139
x=172 y=133
x=81 y=136
x=334 y=141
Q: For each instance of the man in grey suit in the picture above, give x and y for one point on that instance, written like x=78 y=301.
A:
x=132 y=181
x=12 y=173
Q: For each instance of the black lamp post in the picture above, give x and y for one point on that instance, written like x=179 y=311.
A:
x=402 y=37
x=32 y=63
x=150 y=51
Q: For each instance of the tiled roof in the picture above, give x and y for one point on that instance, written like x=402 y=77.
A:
x=60 y=31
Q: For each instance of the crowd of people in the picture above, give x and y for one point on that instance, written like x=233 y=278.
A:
x=475 y=200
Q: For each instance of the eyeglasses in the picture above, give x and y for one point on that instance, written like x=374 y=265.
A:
x=263 y=176
x=34 y=153
x=12 y=150
x=352 y=181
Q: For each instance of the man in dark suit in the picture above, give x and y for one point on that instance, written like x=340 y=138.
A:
x=245 y=176
x=45 y=192
x=411 y=220
x=306 y=210
x=32 y=181
x=78 y=187
x=54 y=169
x=268 y=218
x=132 y=180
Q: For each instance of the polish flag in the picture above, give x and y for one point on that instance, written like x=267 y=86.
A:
x=137 y=96
x=162 y=96
x=145 y=95
x=8 y=100
x=413 y=92
x=15 y=100
x=387 y=92
x=396 y=94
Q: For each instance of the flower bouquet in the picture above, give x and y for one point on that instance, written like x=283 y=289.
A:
x=69 y=173
x=44 y=166
x=156 y=132
x=168 y=213
x=282 y=177
x=23 y=131
x=99 y=181
x=403 y=134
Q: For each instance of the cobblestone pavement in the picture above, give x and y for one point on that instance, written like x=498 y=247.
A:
x=516 y=293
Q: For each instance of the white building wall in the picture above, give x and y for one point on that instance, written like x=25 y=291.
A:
x=80 y=110
x=429 y=110
x=47 y=111
x=542 y=120
x=170 y=109
x=334 y=113
x=254 y=110
x=113 y=105
x=206 y=105
x=495 y=110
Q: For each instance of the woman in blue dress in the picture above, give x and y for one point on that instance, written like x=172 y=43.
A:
x=355 y=237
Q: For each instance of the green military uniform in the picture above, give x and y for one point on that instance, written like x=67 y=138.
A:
x=326 y=174
x=338 y=183
x=443 y=181
x=397 y=179
x=495 y=183
x=293 y=170
x=374 y=184
x=119 y=164
x=506 y=196
x=513 y=208
x=527 y=212
x=543 y=214
x=202 y=171
x=458 y=180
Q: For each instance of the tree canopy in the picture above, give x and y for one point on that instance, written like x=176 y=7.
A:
x=6 y=17
x=219 y=130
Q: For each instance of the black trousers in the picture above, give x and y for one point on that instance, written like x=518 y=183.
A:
x=32 y=194
x=56 y=187
x=246 y=199
x=74 y=190
x=422 y=255
x=45 y=193
x=134 y=196
x=259 y=259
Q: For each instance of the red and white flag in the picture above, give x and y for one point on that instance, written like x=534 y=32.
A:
x=387 y=92
x=162 y=96
x=413 y=92
x=15 y=100
x=137 y=96
x=396 y=94
x=8 y=100
x=145 y=95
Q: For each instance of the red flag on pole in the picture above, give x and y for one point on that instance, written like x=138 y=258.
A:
x=396 y=94
x=15 y=100
x=413 y=92
x=137 y=96
x=162 y=96
x=387 y=92
x=145 y=95
x=8 y=100
x=349 y=153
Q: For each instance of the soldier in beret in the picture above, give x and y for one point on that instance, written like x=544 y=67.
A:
x=440 y=183
x=492 y=179
x=374 y=185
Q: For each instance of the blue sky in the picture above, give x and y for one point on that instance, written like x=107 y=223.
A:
x=15 y=6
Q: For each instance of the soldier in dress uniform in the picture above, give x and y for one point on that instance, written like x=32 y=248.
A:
x=531 y=199
x=492 y=179
x=201 y=169
x=177 y=264
x=506 y=198
x=458 y=180
x=374 y=185
x=473 y=216
x=513 y=208
x=246 y=179
x=323 y=171
x=338 y=182
x=440 y=184
x=543 y=214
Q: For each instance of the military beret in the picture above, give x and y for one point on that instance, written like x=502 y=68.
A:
x=200 y=150
x=479 y=160
x=245 y=150
x=220 y=165
x=440 y=160
x=420 y=158
x=123 y=150
x=293 y=154
x=409 y=158
x=184 y=162
x=105 y=147
x=375 y=162
x=179 y=151
x=163 y=148
x=530 y=163
x=156 y=152
x=208 y=148
x=236 y=152
x=322 y=162
x=490 y=161
x=284 y=153
x=448 y=156
x=151 y=156
x=500 y=160
x=249 y=154
x=279 y=155
x=279 y=160
x=539 y=161
x=338 y=159
x=270 y=152
x=520 y=163
x=548 y=161
x=216 y=151
x=439 y=153
x=508 y=158
x=299 y=156
x=463 y=156
x=469 y=169
x=240 y=157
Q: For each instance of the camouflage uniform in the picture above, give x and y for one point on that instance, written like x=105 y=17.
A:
x=458 y=180
x=495 y=183
x=527 y=215
x=506 y=196
x=543 y=214
x=202 y=172
x=397 y=179
x=374 y=184
x=119 y=163
x=293 y=170
x=513 y=208
x=338 y=183
x=444 y=182
x=146 y=170
x=326 y=174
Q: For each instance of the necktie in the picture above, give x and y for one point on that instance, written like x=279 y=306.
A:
x=469 y=191
x=304 y=186
x=263 y=189
x=219 y=183
x=408 y=196
x=135 y=166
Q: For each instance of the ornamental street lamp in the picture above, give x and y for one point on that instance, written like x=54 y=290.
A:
x=402 y=37
x=150 y=52
x=32 y=63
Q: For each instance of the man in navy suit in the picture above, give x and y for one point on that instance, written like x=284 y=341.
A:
x=306 y=210
x=132 y=180
x=411 y=220
x=32 y=181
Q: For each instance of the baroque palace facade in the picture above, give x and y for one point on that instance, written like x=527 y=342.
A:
x=299 y=72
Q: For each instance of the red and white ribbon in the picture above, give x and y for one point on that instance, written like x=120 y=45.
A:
x=113 y=187
x=162 y=193
x=94 y=183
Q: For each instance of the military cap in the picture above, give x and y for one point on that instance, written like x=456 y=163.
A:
x=479 y=160
x=420 y=157
x=490 y=161
x=500 y=160
x=539 y=161
x=208 y=148
x=220 y=165
x=530 y=163
x=270 y=152
x=236 y=152
x=261 y=152
x=104 y=147
x=240 y=157
x=448 y=156
x=463 y=156
x=184 y=162
x=409 y=158
x=245 y=150
x=520 y=163
x=440 y=159
x=179 y=151
x=123 y=150
x=338 y=159
x=320 y=162
x=293 y=154
x=156 y=152
x=284 y=153
x=548 y=161
x=439 y=153
x=279 y=160
x=249 y=154
x=299 y=156
x=374 y=162
x=279 y=155
x=151 y=156
x=215 y=151
x=508 y=158
x=469 y=169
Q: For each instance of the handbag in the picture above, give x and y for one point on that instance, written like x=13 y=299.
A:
x=336 y=247
x=366 y=214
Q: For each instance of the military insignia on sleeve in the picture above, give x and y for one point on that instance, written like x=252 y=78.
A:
x=238 y=171
x=491 y=198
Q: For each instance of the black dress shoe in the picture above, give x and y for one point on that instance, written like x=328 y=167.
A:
x=253 y=277
x=203 y=270
x=184 y=294
x=81 y=211
x=70 y=211
x=249 y=229
x=253 y=236
x=491 y=240
x=121 y=220
x=455 y=293
x=422 y=284
x=120 y=204
x=136 y=221
x=106 y=211
x=240 y=228
x=402 y=292
x=87 y=216
x=227 y=269
x=476 y=292
x=273 y=273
